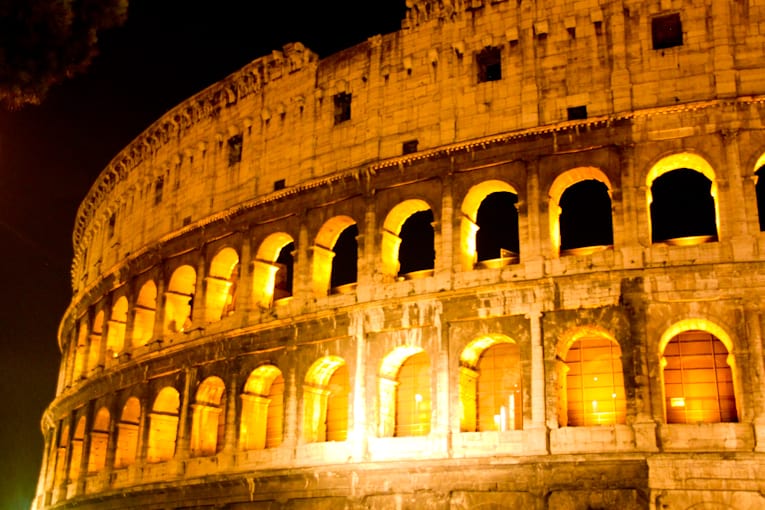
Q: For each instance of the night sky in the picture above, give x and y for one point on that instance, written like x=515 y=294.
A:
x=51 y=154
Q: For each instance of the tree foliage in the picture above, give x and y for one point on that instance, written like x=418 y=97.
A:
x=42 y=42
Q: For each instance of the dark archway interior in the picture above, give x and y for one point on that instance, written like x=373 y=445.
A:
x=682 y=206
x=585 y=218
x=416 y=252
x=760 y=190
x=345 y=262
x=497 y=219
x=283 y=283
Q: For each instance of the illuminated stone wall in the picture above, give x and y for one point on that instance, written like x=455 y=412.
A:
x=591 y=348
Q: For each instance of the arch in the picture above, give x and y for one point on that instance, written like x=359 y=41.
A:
x=693 y=207
x=76 y=446
x=127 y=433
x=115 y=338
x=261 y=424
x=759 y=188
x=81 y=351
x=404 y=392
x=179 y=299
x=163 y=428
x=221 y=285
x=591 y=380
x=490 y=385
x=392 y=226
x=559 y=186
x=273 y=269
x=94 y=349
x=61 y=450
x=323 y=253
x=698 y=373
x=99 y=441
x=207 y=423
x=144 y=312
x=325 y=401
x=470 y=248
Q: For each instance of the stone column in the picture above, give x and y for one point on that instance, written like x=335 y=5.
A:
x=531 y=253
x=183 y=438
x=755 y=322
x=444 y=240
x=231 y=428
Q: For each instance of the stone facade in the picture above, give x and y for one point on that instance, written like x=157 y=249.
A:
x=212 y=359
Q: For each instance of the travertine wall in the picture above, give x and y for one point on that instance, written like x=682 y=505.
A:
x=649 y=111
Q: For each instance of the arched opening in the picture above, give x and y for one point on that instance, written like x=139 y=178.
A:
x=325 y=401
x=497 y=235
x=81 y=351
x=491 y=395
x=345 y=261
x=698 y=379
x=163 y=425
x=591 y=379
x=682 y=206
x=413 y=397
x=207 y=423
x=407 y=240
x=585 y=218
x=759 y=188
x=94 y=349
x=145 y=310
x=580 y=212
x=682 y=200
x=179 y=300
x=416 y=252
x=273 y=269
x=99 y=441
x=75 y=459
x=262 y=419
x=221 y=285
x=335 y=255
x=115 y=338
x=127 y=433
x=63 y=446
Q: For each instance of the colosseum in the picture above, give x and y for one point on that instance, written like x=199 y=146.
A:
x=509 y=256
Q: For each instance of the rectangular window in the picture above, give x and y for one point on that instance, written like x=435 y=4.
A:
x=489 y=62
x=667 y=31
x=234 y=150
x=577 y=112
x=279 y=184
x=112 y=223
x=342 y=107
x=409 y=147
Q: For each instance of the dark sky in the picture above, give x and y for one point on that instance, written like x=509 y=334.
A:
x=51 y=154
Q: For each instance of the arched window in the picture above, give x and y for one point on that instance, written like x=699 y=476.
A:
x=585 y=218
x=416 y=252
x=491 y=396
x=325 y=401
x=759 y=188
x=580 y=212
x=497 y=222
x=75 y=459
x=94 y=350
x=145 y=310
x=413 y=397
x=698 y=379
x=334 y=255
x=262 y=409
x=115 y=339
x=345 y=261
x=592 y=389
x=208 y=424
x=221 y=285
x=81 y=351
x=163 y=425
x=63 y=446
x=99 y=441
x=179 y=299
x=127 y=433
x=407 y=239
x=682 y=200
x=682 y=206
x=272 y=269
